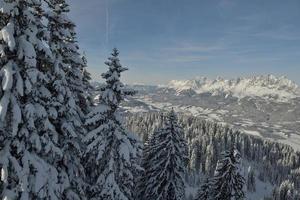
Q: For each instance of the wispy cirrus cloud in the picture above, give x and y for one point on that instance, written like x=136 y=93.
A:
x=187 y=59
x=261 y=25
x=282 y=33
x=193 y=47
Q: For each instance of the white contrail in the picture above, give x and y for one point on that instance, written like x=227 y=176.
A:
x=107 y=21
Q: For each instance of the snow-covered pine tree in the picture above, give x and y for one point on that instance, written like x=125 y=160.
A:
x=86 y=100
x=165 y=171
x=68 y=87
x=75 y=64
x=286 y=191
x=204 y=191
x=146 y=162
x=211 y=157
x=251 y=180
x=195 y=161
x=111 y=155
x=29 y=146
x=227 y=182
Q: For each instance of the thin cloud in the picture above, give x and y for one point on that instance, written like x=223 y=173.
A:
x=187 y=59
x=255 y=25
x=254 y=31
x=194 y=48
x=279 y=34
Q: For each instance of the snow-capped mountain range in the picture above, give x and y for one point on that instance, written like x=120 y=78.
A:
x=264 y=106
x=269 y=87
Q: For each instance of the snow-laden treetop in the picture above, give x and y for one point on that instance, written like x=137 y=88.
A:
x=270 y=86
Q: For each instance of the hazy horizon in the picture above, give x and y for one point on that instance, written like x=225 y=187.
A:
x=100 y=80
x=165 y=40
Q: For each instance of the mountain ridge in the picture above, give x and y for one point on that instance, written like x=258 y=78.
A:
x=265 y=86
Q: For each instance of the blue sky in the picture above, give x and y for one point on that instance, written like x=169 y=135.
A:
x=161 y=40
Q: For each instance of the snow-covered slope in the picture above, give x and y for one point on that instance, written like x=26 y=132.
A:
x=268 y=87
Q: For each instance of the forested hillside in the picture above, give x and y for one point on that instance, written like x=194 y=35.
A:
x=272 y=162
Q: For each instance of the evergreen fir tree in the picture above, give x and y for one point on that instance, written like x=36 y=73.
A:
x=211 y=154
x=227 y=182
x=204 y=192
x=165 y=168
x=85 y=100
x=251 y=184
x=195 y=161
x=68 y=86
x=286 y=191
x=29 y=142
x=63 y=42
x=146 y=162
x=111 y=155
